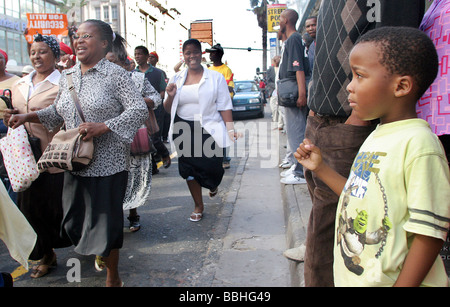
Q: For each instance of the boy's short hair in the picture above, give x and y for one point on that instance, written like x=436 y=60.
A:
x=408 y=52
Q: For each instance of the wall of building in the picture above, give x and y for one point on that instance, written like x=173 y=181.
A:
x=151 y=23
x=13 y=22
x=142 y=22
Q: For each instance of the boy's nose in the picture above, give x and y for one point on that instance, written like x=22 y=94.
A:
x=349 y=87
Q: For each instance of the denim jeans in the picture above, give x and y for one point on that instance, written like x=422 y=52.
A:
x=295 y=131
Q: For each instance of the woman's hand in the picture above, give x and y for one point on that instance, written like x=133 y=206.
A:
x=234 y=135
x=7 y=113
x=171 y=89
x=90 y=130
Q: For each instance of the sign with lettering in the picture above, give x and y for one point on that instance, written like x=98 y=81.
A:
x=203 y=31
x=14 y=24
x=273 y=16
x=46 y=24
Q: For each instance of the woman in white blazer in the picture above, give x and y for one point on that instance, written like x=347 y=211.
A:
x=200 y=106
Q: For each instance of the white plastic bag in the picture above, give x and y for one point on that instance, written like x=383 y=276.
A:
x=18 y=159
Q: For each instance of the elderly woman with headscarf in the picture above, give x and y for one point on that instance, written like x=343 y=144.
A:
x=41 y=204
x=6 y=79
x=6 y=82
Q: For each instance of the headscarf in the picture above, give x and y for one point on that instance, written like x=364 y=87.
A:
x=51 y=42
x=65 y=48
x=4 y=55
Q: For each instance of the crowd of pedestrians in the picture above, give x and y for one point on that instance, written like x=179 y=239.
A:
x=85 y=208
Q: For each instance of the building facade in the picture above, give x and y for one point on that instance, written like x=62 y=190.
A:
x=151 y=23
x=13 y=22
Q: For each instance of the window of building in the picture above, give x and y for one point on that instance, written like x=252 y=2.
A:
x=50 y=8
x=114 y=12
x=2 y=39
x=14 y=50
x=25 y=55
x=98 y=14
x=26 y=6
x=105 y=13
x=12 y=8
x=38 y=6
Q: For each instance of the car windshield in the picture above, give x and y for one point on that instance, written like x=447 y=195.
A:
x=246 y=87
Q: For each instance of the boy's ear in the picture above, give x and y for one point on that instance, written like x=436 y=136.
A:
x=404 y=86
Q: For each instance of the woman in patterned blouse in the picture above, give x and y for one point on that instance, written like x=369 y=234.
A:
x=114 y=110
x=140 y=174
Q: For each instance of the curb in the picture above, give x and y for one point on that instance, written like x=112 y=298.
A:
x=297 y=207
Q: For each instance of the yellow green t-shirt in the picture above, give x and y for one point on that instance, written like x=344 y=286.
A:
x=226 y=72
x=398 y=187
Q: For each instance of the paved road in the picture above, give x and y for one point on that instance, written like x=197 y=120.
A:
x=239 y=242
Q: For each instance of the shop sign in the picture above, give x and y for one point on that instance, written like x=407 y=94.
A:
x=11 y=23
x=273 y=16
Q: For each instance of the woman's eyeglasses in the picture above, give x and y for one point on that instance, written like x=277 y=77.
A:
x=84 y=36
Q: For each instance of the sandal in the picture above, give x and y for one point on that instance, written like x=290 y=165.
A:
x=196 y=217
x=166 y=162
x=43 y=269
x=100 y=264
x=213 y=193
x=134 y=223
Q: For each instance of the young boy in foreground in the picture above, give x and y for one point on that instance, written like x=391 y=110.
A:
x=394 y=212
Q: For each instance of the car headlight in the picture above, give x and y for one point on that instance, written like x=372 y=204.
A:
x=253 y=100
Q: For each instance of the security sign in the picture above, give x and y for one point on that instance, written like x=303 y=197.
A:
x=46 y=24
x=273 y=16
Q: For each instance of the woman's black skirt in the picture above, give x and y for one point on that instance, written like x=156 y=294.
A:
x=93 y=214
x=199 y=156
x=41 y=204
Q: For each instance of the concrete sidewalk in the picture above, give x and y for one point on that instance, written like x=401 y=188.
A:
x=255 y=238
x=297 y=207
x=264 y=218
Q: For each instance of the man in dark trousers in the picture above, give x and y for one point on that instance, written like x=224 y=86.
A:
x=215 y=54
x=158 y=81
x=162 y=116
x=294 y=65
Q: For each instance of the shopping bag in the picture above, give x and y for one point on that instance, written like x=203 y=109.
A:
x=18 y=158
x=142 y=144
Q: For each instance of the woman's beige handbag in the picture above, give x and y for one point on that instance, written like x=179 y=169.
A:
x=67 y=150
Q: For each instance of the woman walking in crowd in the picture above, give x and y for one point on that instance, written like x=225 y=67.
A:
x=41 y=203
x=6 y=79
x=6 y=82
x=140 y=174
x=114 y=110
x=200 y=106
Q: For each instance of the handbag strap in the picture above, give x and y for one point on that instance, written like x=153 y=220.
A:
x=74 y=95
